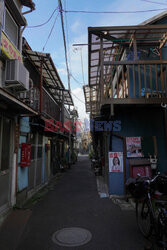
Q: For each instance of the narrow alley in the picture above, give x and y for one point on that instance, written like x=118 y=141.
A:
x=74 y=202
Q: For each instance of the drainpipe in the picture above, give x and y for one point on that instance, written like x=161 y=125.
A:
x=28 y=11
x=21 y=40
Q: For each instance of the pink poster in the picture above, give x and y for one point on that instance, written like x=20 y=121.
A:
x=116 y=162
x=133 y=147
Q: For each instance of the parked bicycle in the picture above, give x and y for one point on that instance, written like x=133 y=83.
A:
x=96 y=166
x=151 y=208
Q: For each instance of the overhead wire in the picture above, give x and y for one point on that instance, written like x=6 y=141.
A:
x=153 y=2
x=40 y=25
x=77 y=98
x=81 y=84
x=69 y=54
x=50 y=32
x=66 y=52
x=82 y=67
x=112 y=12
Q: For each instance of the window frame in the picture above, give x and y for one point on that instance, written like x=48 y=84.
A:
x=15 y=23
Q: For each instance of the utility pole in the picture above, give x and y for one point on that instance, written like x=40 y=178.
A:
x=68 y=73
x=64 y=39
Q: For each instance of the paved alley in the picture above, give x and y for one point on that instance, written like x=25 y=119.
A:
x=74 y=202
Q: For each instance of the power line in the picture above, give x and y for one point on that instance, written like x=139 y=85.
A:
x=77 y=98
x=81 y=84
x=111 y=12
x=154 y=2
x=50 y=32
x=40 y=25
x=82 y=67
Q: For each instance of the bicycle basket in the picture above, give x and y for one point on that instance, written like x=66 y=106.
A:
x=137 y=187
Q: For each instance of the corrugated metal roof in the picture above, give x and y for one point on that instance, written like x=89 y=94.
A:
x=50 y=76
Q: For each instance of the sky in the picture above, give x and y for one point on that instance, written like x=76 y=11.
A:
x=76 y=31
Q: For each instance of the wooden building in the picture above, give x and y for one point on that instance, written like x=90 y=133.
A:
x=126 y=97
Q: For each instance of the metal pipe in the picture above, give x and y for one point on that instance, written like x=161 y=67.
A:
x=21 y=40
x=41 y=83
x=28 y=11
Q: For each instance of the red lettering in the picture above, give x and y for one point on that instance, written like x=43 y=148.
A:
x=68 y=126
x=49 y=125
x=59 y=126
x=5 y=44
x=15 y=55
x=10 y=49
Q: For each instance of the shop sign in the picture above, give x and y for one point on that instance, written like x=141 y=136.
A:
x=133 y=147
x=25 y=155
x=9 y=49
x=116 y=162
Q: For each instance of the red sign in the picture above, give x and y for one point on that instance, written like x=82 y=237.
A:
x=142 y=170
x=25 y=155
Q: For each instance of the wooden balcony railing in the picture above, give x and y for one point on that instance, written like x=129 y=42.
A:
x=136 y=80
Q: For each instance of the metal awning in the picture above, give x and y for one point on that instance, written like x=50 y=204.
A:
x=107 y=44
x=50 y=75
x=91 y=95
x=14 y=105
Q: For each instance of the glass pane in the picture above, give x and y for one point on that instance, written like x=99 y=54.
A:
x=32 y=142
x=5 y=157
x=11 y=28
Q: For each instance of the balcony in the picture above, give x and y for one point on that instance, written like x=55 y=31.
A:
x=136 y=82
x=127 y=65
x=49 y=108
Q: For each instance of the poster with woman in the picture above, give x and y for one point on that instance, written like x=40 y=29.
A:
x=133 y=147
x=116 y=162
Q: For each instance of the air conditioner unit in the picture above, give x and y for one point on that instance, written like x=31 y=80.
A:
x=17 y=76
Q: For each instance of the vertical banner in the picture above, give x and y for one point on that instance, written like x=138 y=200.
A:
x=25 y=155
x=116 y=162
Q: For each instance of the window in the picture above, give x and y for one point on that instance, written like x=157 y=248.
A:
x=40 y=138
x=5 y=143
x=33 y=146
x=11 y=28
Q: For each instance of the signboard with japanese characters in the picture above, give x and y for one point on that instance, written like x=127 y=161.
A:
x=133 y=147
x=25 y=155
x=116 y=162
x=9 y=49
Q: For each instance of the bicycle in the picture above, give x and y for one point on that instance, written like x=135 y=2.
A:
x=151 y=211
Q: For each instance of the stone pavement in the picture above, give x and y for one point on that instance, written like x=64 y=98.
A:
x=74 y=202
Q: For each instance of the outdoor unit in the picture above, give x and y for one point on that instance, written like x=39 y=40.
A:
x=17 y=76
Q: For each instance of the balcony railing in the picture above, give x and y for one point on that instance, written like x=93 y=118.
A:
x=49 y=107
x=132 y=80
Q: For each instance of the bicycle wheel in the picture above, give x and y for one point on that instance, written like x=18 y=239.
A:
x=162 y=231
x=144 y=218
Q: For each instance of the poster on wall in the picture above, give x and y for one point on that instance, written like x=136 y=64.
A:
x=133 y=147
x=116 y=162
